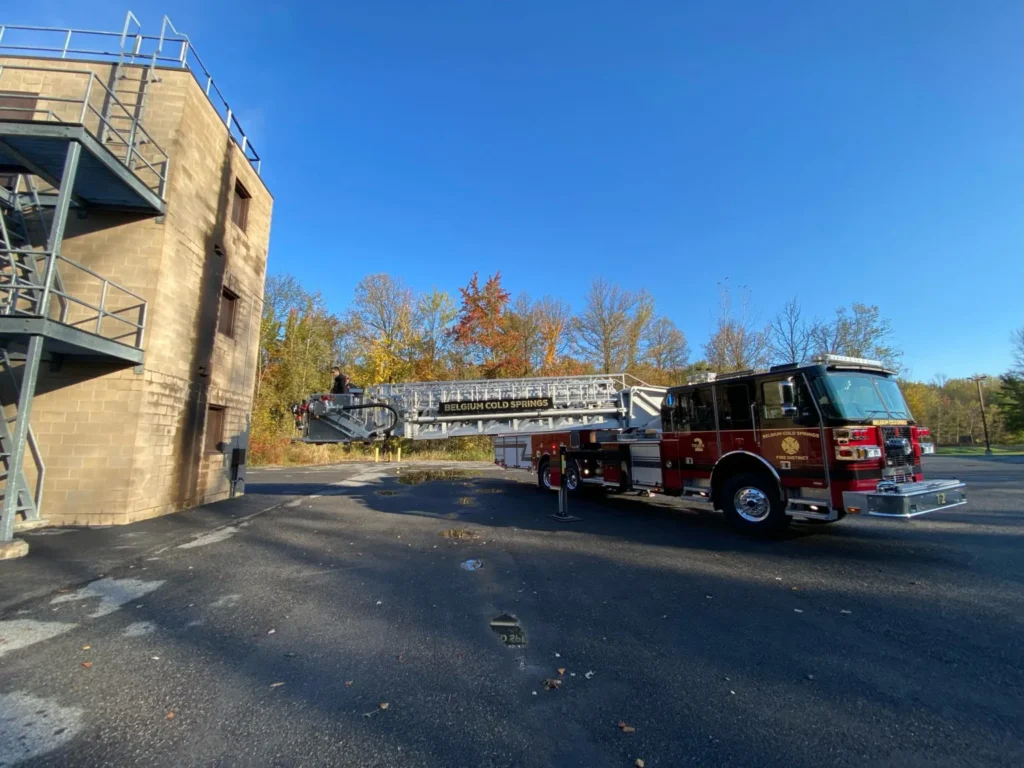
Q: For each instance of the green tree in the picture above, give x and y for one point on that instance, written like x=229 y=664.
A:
x=1011 y=393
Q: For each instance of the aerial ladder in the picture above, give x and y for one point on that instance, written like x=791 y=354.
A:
x=434 y=410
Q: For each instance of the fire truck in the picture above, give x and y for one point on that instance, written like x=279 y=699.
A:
x=814 y=441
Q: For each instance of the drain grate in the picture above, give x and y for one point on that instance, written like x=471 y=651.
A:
x=507 y=628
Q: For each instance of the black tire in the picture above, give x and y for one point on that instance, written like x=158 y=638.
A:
x=765 y=510
x=572 y=472
x=544 y=474
x=625 y=480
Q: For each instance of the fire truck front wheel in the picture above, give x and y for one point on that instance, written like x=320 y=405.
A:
x=752 y=503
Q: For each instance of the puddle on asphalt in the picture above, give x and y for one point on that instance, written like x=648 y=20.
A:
x=387 y=493
x=471 y=565
x=430 y=475
x=507 y=628
x=459 y=533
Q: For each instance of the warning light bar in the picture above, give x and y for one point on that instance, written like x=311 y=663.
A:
x=845 y=361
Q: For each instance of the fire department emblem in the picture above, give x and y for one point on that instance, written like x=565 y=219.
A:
x=791 y=446
x=698 y=444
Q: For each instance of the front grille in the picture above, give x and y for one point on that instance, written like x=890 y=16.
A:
x=896 y=454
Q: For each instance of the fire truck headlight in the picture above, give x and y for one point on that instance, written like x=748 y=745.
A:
x=858 y=452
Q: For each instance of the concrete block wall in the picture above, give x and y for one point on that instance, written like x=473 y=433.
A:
x=122 y=445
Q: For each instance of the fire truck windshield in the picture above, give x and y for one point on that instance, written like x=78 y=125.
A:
x=860 y=397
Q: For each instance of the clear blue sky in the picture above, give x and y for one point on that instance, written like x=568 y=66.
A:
x=837 y=151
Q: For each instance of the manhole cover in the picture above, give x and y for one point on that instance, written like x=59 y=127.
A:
x=507 y=628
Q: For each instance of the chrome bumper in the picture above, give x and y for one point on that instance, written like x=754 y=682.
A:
x=906 y=499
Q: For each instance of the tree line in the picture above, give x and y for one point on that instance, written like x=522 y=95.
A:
x=390 y=333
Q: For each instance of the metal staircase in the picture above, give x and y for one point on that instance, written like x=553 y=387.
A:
x=21 y=280
x=440 y=409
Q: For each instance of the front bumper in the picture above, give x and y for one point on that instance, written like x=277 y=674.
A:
x=906 y=499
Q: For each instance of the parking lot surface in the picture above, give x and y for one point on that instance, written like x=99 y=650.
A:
x=436 y=616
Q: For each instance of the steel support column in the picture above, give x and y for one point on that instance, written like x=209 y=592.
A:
x=34 y=353
x=14 y=462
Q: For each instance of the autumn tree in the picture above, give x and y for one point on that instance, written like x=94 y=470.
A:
x=666 y=354
x=381 y=329
x=484 y=331
x=788 y=335
x=298 y=337
x=735 y=344
x=613 y=330
x=557 y=336
x=433 y=319
x=859 y=331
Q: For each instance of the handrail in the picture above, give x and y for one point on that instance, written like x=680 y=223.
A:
x=20 y=283
x=132 y=142
x=185 y=57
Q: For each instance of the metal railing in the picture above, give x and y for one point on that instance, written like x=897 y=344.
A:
x=27 y=289
x=168 y=49
x=80 y=110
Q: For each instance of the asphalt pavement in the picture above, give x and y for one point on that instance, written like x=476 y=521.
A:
x=351 y=625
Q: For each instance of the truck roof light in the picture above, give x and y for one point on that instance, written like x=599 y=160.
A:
x=860 y=362
x=702 y=377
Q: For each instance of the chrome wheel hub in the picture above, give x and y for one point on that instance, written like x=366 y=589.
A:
x=752 y=504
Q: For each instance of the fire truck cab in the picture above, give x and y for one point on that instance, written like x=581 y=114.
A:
x=814 y=441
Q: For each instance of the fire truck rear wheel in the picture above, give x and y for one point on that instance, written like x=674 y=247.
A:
x=752 y=503
x=572 y=474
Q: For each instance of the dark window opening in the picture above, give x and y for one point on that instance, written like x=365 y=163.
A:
x=734 y=406
x=689 y=411
x=214 y=428
x=18 y=105
x=786 y=402
x=228 y=309
x=240 y=206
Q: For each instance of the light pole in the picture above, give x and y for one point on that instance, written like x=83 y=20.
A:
x=984 y=421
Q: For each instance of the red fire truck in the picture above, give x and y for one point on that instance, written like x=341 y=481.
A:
x=812 y=441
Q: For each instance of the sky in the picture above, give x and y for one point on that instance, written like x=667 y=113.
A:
x=850 y=151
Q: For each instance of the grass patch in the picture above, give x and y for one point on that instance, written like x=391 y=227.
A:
x=281 y=451
x=979 y=450
x=459 y=533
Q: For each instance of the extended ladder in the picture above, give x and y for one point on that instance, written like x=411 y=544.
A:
x=439 y=409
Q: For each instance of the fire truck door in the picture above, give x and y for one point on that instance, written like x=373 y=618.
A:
x=698 y=440
x=790 y=432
